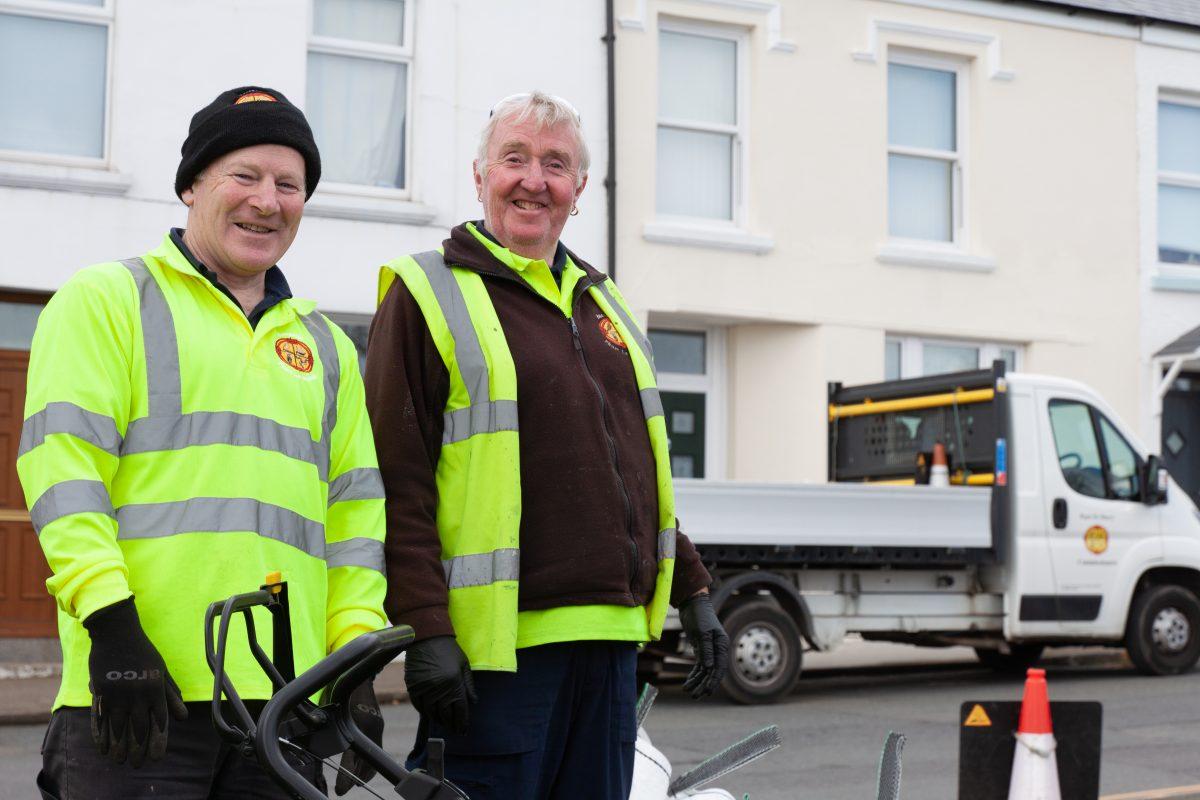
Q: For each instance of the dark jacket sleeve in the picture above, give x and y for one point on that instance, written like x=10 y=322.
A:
x=407 y=385
x=690 y=575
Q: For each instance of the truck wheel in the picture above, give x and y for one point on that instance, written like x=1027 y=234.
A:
x=764 y=654
x=1163 y=634
x=1019 y=658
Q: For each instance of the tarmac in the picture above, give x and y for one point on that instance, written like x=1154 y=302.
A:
x=27 y=690
x=28 y=686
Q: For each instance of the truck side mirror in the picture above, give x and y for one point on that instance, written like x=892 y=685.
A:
x=1154 y=479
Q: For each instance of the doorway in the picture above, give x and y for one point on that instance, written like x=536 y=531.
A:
x=1181 y=433
x=26 y=609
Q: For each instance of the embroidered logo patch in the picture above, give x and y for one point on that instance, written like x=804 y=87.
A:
x=611 y=334
x=295 y=353
x=255 y=97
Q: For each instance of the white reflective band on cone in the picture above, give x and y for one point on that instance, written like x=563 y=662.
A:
x=1035 y=768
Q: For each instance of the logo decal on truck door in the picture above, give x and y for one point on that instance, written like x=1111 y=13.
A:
x=1096 y=539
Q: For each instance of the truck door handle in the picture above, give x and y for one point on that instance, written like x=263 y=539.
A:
x=1060 y=512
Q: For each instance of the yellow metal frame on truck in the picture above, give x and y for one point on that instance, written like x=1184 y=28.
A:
x=958 y=397
x=975 y=479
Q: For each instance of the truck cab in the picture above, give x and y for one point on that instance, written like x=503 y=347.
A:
x=1107 y=546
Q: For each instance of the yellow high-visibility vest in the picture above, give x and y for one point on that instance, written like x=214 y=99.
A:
x=173 y=452
x=478 y=471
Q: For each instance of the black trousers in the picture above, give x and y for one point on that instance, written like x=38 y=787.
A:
x=198 y=765
x=562 y=727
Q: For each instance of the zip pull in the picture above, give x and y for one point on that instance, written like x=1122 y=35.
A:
x=575 y=334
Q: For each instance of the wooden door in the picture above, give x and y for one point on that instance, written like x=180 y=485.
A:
x=26 y=610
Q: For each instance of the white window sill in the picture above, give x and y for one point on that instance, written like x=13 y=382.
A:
x=1176 y=278
x=367 y=204
x=63 y=178
x=934 y=257
x=700 y=235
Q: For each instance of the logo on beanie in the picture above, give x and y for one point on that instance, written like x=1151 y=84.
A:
x=255 y=97
x=295 y=353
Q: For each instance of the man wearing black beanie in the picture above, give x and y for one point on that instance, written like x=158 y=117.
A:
x=202 y=429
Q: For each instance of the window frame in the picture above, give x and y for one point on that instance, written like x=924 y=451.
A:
x=912 y=352
x=711 y=384
x=739 y=185
x=1183 y=180
x=102 y=15
x=1098 y=417
x=372 y=51
x=1094 y=416
x=960 y=66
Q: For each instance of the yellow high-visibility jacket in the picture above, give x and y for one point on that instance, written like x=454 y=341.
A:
x=174 y=453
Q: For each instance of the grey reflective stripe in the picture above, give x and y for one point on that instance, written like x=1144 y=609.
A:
x=70 y=497
x=164 y=395
x=481 y=569
x=95 y=429
x=357 y=552
x=152 y=434
x=642 y=342
x=221 y=515
x=488 y=417
x=363 y=483
x=651 y=403
x=483 y=415
x=666 y=544
x=468 y=352
x=318 y=326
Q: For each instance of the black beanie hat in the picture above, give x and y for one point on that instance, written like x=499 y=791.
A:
x=243 y=117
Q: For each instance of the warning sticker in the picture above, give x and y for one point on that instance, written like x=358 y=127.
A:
x=978 y=718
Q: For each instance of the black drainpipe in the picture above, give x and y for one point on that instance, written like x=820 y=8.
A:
x=610 y=179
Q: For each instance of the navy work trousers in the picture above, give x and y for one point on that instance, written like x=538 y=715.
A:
x=198 y=765
x=562 y=726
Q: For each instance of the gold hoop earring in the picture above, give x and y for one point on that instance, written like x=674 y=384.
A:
x=574 y=211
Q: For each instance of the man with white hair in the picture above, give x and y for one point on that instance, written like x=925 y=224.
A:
x=531 y=536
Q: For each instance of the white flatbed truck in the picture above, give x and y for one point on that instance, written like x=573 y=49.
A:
x=1058 y=528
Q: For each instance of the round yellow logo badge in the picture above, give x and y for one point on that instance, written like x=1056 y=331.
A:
x=1096 y=539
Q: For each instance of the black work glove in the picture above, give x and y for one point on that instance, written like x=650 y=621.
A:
x=439 y=682
x=710 y=642
x=132 y=692
x=364 y=709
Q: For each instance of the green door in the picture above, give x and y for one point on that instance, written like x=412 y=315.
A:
x=684 y=413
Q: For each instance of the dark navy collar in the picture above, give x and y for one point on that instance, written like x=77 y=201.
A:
x=275 y=286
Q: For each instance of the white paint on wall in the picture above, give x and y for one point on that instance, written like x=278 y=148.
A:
x=468 y=55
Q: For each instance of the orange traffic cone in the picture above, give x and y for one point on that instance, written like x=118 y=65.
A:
x=939 y=473
x=1035 y=766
